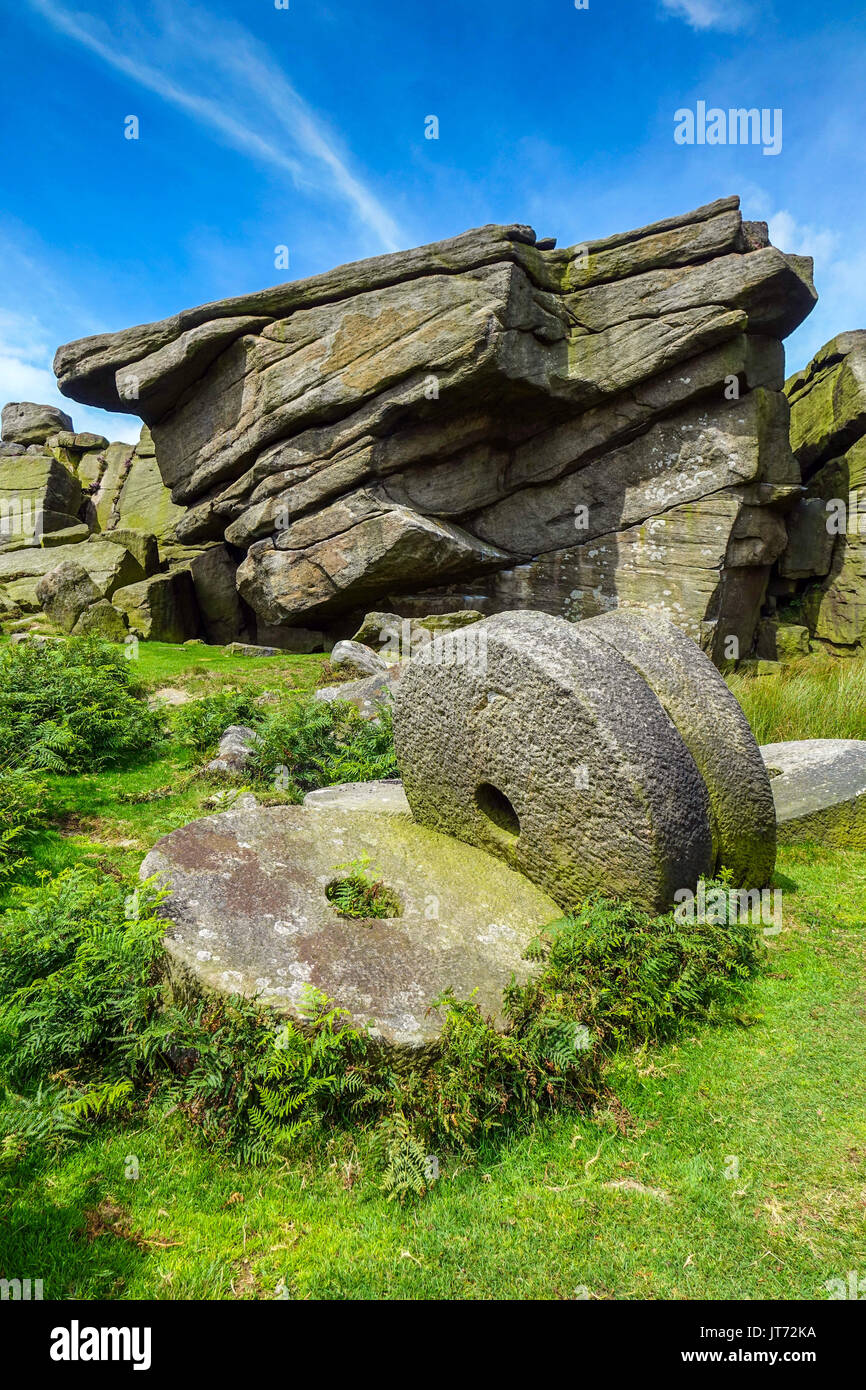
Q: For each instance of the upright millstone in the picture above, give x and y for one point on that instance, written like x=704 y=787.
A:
x=716 y=733
x=545 y=743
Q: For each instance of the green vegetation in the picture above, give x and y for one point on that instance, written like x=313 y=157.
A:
x=201 y=724
x=66 y=706
x=307 y=745
x=662 y=1119
x=21 y=799
x=361 y=891
x=816 y=697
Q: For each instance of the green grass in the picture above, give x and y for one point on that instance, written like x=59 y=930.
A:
x=200 y=669
x=93 y=817
x=816 y=697
x=784 y=1092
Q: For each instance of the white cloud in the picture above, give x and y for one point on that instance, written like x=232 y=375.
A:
x=727 y=15
x=802 y=239
x=26 y=375
x=251 y=95
x=840 y=279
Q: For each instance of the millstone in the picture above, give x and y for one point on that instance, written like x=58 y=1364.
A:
x=385 y=796
x=715 y=731
x=250 y=916
x=819 y=786
x=545 y=744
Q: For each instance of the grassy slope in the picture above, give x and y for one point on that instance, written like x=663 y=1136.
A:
x=783 y=1091
x=95 y=822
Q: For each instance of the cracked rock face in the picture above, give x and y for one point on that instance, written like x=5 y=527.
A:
x=825 y=561
x=483 y=423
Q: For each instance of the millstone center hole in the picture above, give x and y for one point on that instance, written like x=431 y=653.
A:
x=358 y=896
x=495 y=805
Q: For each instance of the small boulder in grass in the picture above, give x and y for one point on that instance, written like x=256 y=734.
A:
x=250 y=649
x=357 y=654
x=65 y=592
x=103 y=620
x=237 y=747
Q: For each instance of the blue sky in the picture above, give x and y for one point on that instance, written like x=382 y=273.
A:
x=304 y=127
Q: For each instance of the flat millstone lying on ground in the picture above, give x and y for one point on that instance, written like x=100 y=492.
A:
x=819 y=787
x=250 y=916
x=385 y=796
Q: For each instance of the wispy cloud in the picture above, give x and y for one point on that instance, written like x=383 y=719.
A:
x=727 y=15
x=840 y=279
x=37 y=305
x=801 y=238
x=26 y=350
x=183 y=52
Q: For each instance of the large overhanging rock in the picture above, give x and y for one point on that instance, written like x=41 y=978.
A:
x=603 y=757
x=250 y=916
x=825 y=560
x=484 y=423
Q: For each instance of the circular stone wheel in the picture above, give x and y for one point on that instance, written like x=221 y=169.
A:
x=541 y=742
x=250 y=915
x=716 y=733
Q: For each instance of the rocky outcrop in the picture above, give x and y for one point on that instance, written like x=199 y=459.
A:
x=65 y=592
x=62 y=488
x=162 y=608
x=485 y=423
x=24 y=422
x=821 y=578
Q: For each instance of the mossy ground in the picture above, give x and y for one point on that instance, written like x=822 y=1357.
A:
x=731 y=1166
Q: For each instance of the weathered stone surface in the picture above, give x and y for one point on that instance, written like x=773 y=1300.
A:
x=143 y=501
x=37 y=495
x=367 y=694
x=713 y=727
x=213 y=575
x=549 y=749
x=109 y=566
x=828 y=400
x=819 y=787
x=781 y=641
x=827 y=533
x=249 y=915
x=237 y=746
x=161 y=608
x=595 y=757
x=390 y=631
x=142 y=545
x=359 y=655
x=354 y=548
x=23 y=422
x=698 y=452
x=103 y=620
x=65 y=592
x=384 y=797
x=809 y=551
x=398 y=428
x=251 y=649
x=695 y=564
x=68 y=535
